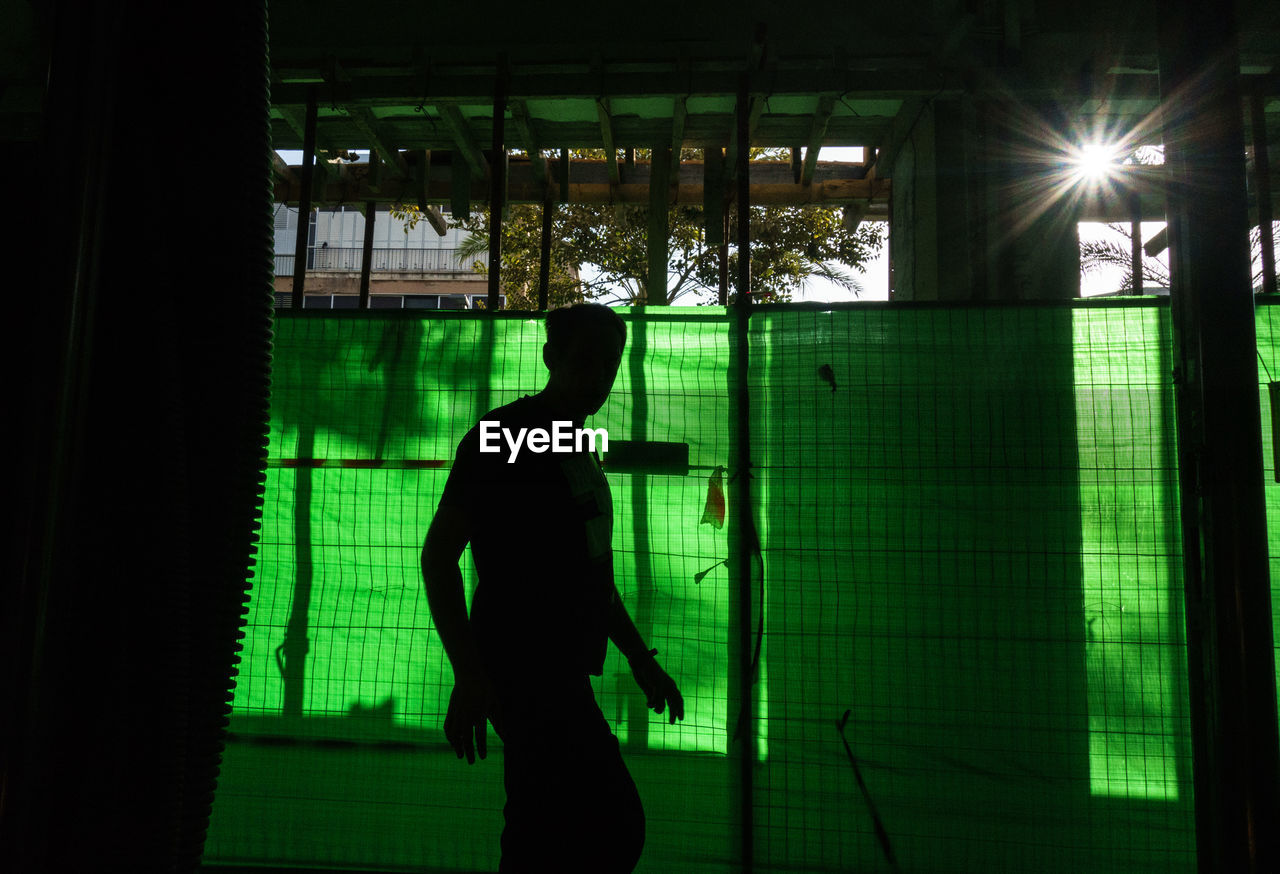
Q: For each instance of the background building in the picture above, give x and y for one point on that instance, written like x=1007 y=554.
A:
x=413 y=267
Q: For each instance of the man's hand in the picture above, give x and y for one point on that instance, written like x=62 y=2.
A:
x=471 y=704
x=659 y=689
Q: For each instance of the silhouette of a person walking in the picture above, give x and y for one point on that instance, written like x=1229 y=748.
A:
x=544 y=609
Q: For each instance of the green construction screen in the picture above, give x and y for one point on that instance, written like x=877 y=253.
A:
x=968 y=521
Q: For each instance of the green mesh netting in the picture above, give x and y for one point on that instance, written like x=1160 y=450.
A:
x=970 y=544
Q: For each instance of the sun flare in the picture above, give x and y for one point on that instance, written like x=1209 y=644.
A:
x=1095 y=162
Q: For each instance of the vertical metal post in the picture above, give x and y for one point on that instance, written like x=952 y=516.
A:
x=1135 y=234
x=746 y=537
x=1262 y=184
x=304 y=202
x=1231 y=667
x=564 y=175
x=544 y=251
x=658 y=231
x=366 y=256
x=723 y=255
x=497 y=184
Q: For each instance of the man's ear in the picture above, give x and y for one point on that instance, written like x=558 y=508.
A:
x=548 y=356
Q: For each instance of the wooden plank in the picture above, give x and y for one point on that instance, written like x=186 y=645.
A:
x=756 y=102
x=771 y=184
x=606 y=135
x=679 y=111
x=459 y=188
x=701 y=130
x=422 y=178
x=828 y=193
x=497 y=187
x=544 y=252
x=366 y=254
x=281 y=169
x=305 y=202
x=363 y=118
x=295 y=120
x=462 y=139
x=528 y=137
x=430 y=211
x=892 y=141
x=436 y=219
x=455 y=86
x=817 y=131
x=713 y=196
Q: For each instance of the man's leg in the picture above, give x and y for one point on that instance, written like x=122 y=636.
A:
x=571 y=803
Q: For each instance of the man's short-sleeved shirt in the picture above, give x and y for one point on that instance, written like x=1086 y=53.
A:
x=541 y=537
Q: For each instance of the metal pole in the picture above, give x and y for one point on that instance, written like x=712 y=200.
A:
x=1135 y=234
x=659 y=230
x=544 y=252
x=366 y=256
x=497 y=185
x=746 y=524
x=304 y=202
x=1231 y=667
x=1262 y=183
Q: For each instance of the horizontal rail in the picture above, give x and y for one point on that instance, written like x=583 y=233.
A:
x=342 y=259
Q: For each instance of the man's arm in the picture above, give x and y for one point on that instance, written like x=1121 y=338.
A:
x=658 y=687
x=441 y=551
x=472 y=698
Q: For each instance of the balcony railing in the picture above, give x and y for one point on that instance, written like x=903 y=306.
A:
x=333 y=259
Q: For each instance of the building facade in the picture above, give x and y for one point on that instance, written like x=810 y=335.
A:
x=412 y=267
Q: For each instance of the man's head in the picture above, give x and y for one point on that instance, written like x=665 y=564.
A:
x=583 y=351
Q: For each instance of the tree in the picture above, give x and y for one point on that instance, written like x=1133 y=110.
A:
x=600 y=252
x=1101 y=254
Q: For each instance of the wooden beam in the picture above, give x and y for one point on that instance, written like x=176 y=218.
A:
x=701 y=130
x=743 y=197
x=679 y=111
x=606 y=135
x=771 y=185
x=891 y=143
x=713 y=196
x=459 y=188
x=497 y=186
x=364 y=119
x=366 y=254
x=796 y=163
x=282 y=170
x=817 y=130
x=544 y=252
x=524 y=126
x=304 y=202
x=753 y=120
x=436 y=219
x=714 y=79
x=462 y=139
x=422 y=178
x=422 y=175
x=1262 y=185
x=297 y=122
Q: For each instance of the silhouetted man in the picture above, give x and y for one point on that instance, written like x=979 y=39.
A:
x=540 y=523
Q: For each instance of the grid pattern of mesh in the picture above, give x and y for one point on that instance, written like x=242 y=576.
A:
x=968 y=519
